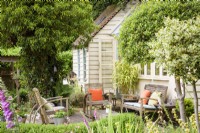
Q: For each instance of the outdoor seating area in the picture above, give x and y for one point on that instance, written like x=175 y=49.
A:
x=150 y=99
x=115 y=66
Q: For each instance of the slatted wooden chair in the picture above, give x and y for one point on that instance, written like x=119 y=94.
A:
x=44 y=106
x=94 y=97
x=135 y=105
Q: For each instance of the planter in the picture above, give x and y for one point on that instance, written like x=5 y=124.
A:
x=58 y=121
x=107 y=110
x=22 y=119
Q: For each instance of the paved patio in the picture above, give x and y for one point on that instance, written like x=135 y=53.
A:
x=77 y=117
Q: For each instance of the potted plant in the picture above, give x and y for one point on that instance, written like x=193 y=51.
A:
x=108 y=107
x=21 y=114
x=59 y=117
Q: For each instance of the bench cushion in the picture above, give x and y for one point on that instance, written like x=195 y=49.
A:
x=135 y=104
x=97 y=94
x=155 y=95
x=145 y=94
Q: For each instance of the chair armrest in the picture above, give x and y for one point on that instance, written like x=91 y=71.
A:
x=51 y=98
x=60 y=99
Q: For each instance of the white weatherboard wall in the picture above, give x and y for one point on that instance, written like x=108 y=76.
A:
x=101 y=54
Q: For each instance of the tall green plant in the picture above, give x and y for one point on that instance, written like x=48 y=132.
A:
x=126 y=76
x=145 y=21
x=177 y=47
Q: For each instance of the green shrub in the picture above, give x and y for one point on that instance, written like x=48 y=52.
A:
x=76 y=99
x=23 y=93
x=123 y=119
x=189 y=107
x=63 y=90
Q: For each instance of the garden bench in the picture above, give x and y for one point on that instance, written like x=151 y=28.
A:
x=133 y=103
x=44 y=106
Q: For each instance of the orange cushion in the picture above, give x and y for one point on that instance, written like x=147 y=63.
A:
x=145 y=94
x=97 y=94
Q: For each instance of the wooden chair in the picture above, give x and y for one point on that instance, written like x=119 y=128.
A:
x=41 y=106
x=134 y=105
x=88 y=99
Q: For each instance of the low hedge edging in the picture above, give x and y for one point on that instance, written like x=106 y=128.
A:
x=123 y=119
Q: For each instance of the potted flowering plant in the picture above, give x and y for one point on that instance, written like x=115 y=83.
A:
x=59 y=117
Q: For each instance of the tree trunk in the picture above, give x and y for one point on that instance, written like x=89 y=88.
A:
x=181 y=97
x=196 y=105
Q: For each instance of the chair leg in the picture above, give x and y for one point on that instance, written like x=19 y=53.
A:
x=90 y=111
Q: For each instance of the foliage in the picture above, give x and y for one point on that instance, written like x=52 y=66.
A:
x=76 y=99
x=60 y=114
x=100 y=5
x=2 y=85
x=43 y=29
x=145 y=21
x=63 y=90
x=23 y=94
x=189 y=107
x=1 y=111
x=117 y=121
x=65 y=60
x=124 y=123
x=15 y=51
x=125 y=76
x=177 y=47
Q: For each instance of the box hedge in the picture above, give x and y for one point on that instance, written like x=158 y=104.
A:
x=78 y=127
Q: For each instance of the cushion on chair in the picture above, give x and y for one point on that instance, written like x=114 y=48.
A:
x=48 y=106
x=154 y=95
x=145 y=94
x=97 y=94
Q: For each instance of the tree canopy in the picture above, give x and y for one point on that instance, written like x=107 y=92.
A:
x=43 y=29
x=145 y=21
x=177 y=46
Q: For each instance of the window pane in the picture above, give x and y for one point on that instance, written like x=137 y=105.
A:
x=84 y=64
x=78 y=56
x=164 y=72
x=149 y=69
x=142 y=69
x=157 y=69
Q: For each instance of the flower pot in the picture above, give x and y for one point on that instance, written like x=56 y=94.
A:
x=58 y=121
x=107 y=110
x=22 y=119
